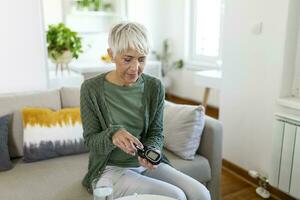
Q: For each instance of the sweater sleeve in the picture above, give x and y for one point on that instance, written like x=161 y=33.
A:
x=155 y=132
x=96 y=138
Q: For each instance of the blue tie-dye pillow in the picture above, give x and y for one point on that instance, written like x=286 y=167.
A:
x=5 y=163
x=49 y=134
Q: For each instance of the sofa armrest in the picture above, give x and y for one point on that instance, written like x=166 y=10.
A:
x=211 y=148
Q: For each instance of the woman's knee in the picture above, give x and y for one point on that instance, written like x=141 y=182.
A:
x=205 y=194
x=177 y=193
x=170 y=191
x=198 y=192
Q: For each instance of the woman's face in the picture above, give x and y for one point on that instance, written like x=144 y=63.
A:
x=129 y=65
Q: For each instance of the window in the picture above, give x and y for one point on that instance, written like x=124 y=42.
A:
x=205 y=31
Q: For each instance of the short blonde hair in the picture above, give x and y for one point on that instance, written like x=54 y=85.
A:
x=126 y=35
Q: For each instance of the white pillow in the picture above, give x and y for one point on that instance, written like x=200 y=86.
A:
x=183 y=126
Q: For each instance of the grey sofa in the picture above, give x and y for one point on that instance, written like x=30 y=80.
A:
x=60 y=178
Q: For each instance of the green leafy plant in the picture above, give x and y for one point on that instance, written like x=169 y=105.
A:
x=60 y=39
x=90 y=4
x=179 y=64
x=165 y=58
x=107 y=6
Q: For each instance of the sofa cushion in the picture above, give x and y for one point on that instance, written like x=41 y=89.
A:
x=70 y=97
x=198 y=168
x=53 y=179
x=49 y=134
x=183 y=127
x=5 y=163
x=13 y=103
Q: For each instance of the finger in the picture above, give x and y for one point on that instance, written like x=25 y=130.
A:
x=146 y=163
x=140 y=161
x=122 y=146
x=137 y=142
x=121 y=141
x=119 y=138
x=129 y=147
x=129 y=151
x=143 y=162
x=115 y=141
x=134 y=140
x=149 y=165
x=152 y=167
x=133 y=146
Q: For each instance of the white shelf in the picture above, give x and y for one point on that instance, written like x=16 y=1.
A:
x=290 y=102
x=88 y=22
x=94 y=13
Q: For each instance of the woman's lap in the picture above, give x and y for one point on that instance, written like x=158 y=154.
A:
x=192 y=188
x=165 y=180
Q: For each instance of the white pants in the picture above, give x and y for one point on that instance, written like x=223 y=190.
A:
x=164 y=180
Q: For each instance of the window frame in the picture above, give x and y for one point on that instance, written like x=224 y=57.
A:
x=193 y=57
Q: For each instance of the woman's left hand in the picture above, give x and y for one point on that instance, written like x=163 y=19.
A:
x=145 y=163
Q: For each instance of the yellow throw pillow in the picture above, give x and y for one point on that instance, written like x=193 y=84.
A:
x=49 y=134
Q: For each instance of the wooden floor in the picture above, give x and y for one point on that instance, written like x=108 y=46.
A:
x=235 y=188
x=232 y=186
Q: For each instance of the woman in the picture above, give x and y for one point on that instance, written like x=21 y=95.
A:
x=122 y=110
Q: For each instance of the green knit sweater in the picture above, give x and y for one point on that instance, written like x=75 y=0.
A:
x=98 y=127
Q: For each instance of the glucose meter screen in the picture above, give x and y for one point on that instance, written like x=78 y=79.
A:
x=152 y=155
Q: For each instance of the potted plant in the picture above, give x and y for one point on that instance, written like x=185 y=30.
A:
x=93 y=5
x=63 y=45
x=165 y=57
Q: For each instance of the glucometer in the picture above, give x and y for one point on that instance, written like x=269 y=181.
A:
x=149 y=153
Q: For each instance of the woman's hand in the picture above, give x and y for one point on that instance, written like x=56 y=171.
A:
x=125 y=141
x=145 y=163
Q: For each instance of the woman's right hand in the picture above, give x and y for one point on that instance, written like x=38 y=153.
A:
x=125 y=141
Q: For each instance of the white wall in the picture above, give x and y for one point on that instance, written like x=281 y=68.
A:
x=253 y=64
x=22 y=52
x=167 y=19
x=163 y=19
x=253 y=71
x=52 y=11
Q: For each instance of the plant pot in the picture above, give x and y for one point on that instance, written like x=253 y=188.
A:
x=62 y=60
